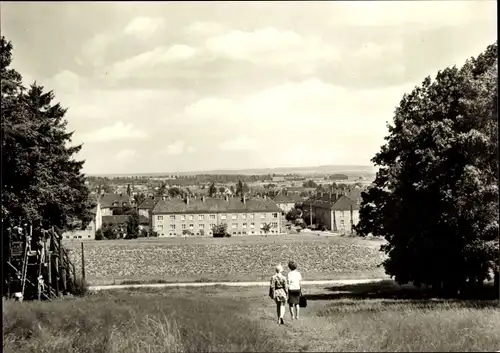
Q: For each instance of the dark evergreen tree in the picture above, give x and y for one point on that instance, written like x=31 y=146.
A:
x=41 y=181
x=212 y=190
x=133 y=226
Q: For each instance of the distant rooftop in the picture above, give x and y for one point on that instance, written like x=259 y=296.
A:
x=149 y=203
x=282 y=198
x=334 y=202
x=107 y=200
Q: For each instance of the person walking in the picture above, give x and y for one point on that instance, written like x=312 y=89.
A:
x=294 y=281
x=278 y=291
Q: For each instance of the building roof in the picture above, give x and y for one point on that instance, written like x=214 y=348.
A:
x=122 y=219
x=282 y=198
x=107 y=200
x=335 y=202
x=355 y=194
x=216 y=205
x=149 y=203
x=344 y=203
x=300 y=189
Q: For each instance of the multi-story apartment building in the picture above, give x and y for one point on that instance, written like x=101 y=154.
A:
x=175 y=217
x=336 y=212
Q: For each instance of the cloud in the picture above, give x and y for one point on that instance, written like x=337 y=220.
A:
x=371 y=50
x=309 y=121
x=67 y=81
x=116 y=132
x=310 y=102
x=302 y=154
x=207 y=109
x=294 y=81
x=241 y=143
x=205 y=28
x=272 y=46
x=241 y=44
x=219 y=55
x=146 y=63
x=125 y=155
x=143 y=27
x=422 y=13
x=94 y=50
x=178 y=147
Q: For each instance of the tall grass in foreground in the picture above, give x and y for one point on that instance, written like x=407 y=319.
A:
x=232 y=319
x=128 y=322
x=412 y=326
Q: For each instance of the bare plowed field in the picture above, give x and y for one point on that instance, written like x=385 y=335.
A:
x=229 y=259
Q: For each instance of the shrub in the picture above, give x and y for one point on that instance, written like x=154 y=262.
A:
x=266 y=228
x=109 y=231
x=292 y=215
x=300 y=222
x=99 y=235
x=220 y=231
x=143 y=233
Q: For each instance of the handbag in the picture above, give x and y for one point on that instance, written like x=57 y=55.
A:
x=302 y=301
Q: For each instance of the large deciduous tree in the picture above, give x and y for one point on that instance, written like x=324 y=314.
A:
x=41 y=180
x=435 y=196
x=139 y=199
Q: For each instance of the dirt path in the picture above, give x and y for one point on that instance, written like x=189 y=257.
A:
x=230 y=284
x=310 y=333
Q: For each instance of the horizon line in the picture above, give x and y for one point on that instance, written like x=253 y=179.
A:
x=237 y=170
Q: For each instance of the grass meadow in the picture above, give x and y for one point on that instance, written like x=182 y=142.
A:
x=241 y=258
x=369 y=317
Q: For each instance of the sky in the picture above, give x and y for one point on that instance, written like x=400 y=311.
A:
x=188 y=86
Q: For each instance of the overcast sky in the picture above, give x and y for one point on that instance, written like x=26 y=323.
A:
x=183 y=86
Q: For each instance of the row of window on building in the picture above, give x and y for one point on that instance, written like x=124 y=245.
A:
x=202 y=226
x=201 y=217
x=233 y=233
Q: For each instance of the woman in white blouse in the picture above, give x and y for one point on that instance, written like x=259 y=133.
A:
x=294 y=279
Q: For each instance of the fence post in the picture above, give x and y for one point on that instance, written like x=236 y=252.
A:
x=62 y=265
x=83 y=264
x=352 y=223
x=54 y=260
